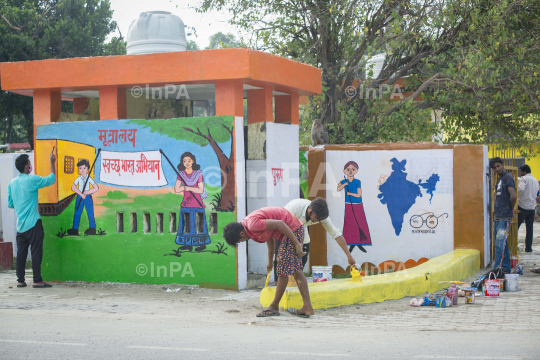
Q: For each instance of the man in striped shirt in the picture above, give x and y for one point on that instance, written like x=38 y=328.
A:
x=527 y=191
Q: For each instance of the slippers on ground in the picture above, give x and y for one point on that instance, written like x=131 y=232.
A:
x=536 y=271
x=45 y=285
x=21 y=285
x=296 y=313
x=268 y=313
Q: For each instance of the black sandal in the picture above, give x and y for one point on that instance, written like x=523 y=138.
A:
x=21 y=285
x=45 y=285
x=268 y=313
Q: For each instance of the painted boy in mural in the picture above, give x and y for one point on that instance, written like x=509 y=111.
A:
x=355 y=226
x=84 y=186
x=270 y=225
x=193 y=230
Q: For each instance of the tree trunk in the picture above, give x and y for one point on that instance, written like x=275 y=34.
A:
x=228 y=181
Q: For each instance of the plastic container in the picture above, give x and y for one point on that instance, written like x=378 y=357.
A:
x=453 y=291
x=321 y=273
x=440 y=301
x=511 y=282
x=514 y=261
x=469 y=296
x=492 y=288
x=156 y=32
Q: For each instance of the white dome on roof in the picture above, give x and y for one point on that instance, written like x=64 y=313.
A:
x=156 y=32
x=378 y=62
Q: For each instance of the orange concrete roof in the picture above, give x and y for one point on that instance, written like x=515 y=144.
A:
x=251 y=67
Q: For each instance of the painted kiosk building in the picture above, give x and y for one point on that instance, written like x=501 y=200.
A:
x=143 y=187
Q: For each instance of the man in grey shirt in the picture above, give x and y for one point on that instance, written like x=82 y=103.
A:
x=505 y=202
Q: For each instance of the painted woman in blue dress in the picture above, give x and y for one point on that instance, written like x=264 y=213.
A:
x=192 y=229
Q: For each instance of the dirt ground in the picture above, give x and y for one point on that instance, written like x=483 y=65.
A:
x=150 y=299
x=118 y=321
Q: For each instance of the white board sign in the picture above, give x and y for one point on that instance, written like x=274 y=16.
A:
x=132 y=168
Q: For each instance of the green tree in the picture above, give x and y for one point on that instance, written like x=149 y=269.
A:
x=435 y=45
x=44 y=29
x=203 y=132
x=223 y=41
x=192 y=45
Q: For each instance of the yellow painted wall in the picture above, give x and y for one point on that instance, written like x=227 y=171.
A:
x=534 y=162
x=62 y=188
x=43 y=168
x=77 y=151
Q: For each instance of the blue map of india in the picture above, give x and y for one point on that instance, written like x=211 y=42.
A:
x=399 y=194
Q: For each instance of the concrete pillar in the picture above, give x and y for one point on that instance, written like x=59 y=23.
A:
x=259 y=104
x=112 y=103
x=229 y=98
x=47 y=107
x=287 y=109
x=259 y=107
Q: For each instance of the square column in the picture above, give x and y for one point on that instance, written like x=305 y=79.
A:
x=47 y=109
x=229 y=98
x=112 y=103
x=259 y=106
x=260 y=112
x=287 y=107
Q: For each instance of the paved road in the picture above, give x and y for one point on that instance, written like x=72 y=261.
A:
x=92 y=321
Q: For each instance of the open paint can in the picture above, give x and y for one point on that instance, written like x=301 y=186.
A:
x=469 y=295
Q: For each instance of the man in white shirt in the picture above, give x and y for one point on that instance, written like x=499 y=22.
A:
x=81 y=186
x=527 y=191
x=313 y=212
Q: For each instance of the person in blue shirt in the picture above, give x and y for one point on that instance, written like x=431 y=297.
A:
x=355 y=226
x=23 y=197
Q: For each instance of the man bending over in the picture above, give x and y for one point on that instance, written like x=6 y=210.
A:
x=268 y=225
x=311 y=213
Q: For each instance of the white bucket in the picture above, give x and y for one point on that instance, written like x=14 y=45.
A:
x=321 y=273
x=512 y=282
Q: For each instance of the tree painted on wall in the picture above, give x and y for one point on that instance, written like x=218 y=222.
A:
x=203 y=132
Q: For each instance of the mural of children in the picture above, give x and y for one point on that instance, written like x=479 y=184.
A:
x=193 y=230
x=84 y=199
x=355 y=226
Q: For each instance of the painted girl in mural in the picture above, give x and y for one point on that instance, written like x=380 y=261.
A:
x=355 y=226
x=192 y=229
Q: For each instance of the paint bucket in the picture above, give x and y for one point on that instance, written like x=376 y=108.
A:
x=321 y=273
x=469 y=296
x=292 y=281
x=492 y=287
x=511 y=282
x=514 y=260
x=470 y=293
